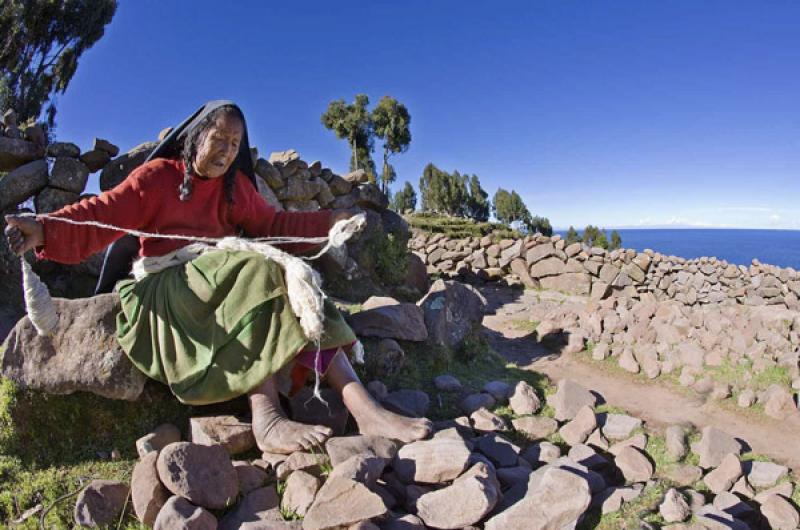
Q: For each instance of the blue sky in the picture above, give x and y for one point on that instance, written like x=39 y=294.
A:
x=615 y=113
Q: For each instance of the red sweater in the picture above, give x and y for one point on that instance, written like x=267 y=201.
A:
x=148 y=200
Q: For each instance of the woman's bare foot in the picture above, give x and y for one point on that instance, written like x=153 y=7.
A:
x=373 y=419
x=274 y=432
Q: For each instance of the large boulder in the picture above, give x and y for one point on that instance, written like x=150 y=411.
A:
x=452 y=310
x=81 y=355
x=15 y=152
x=395 y=320
x=202 y=474
x=22 y=183
x=69 y=174
x=119 y=168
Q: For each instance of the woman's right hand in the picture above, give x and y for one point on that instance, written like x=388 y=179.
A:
x=23 y=233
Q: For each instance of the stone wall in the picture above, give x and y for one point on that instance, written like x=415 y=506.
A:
x=549 y=263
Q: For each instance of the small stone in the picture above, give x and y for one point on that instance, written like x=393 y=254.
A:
x=412 y=403
x=432 y=461
x=310 y=462
x=231 y=433
x=301 y=488
x=162 y=436
x=342 y=502
x=676 y=441
x=535 y=427
x=674 y=508
x=473 y=402
x=203 y=474
x=342 y=448
x=447 y=383
x=634 y=465
x=499 y=390
x=524 y=400
x=638 y=441
x=361 y=468
x=765 y=474
x=180 y=514
x=465 y=502
x=725 y=475
x=500 y=451
x=620 y=426
x=780 y=513
x=577 y=430
x=486 y=421
x=100 y=503
x=541 y=453
x=258 y=506
x=148 y=494
x=105 y=145
x=569 y=398
x=683 y=474
x=612 y=498
x=713 y=447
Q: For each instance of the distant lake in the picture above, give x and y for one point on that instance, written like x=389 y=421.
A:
x=776 y=247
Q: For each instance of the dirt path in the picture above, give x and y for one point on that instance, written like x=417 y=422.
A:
x=657 y=403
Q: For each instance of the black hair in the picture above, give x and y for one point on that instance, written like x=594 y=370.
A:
x=189 y=152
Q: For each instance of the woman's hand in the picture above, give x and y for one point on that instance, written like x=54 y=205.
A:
x=23 y=233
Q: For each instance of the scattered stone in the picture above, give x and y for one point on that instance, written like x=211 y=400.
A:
x=713 y=447
x=412 y=403
x=465 y=502
x=250 y=477
x=342 y=448
x=499 y=390
x=432 y=461
x=162 y=436
x=535 y=427
x=780 y=513
x=569 y=398
x=620 y=426
x=402 y=321
x=725 y=475
x=203 y=474
x=231 y=433
x=473 y=402
x=585 y=455
x=638 y=441
x=22 y=183
x=310 y=462
x=634 y=465
x=301 y=488
x=257 y=507
x=484 y=420
x=104 y=145
x=778 y=402
x=577 y=430
x=452 y=310
x=148 y=494
x=556 y=499
x=676 y=442
x=500 y=451
x=674 y=508
x=100 y=503
x=611 y=499
x=447 y=383
x=765 y=474
x=180 y=514
x=524 y=399
x=342 y=502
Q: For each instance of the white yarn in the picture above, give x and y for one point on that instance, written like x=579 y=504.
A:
x=303 y=283
x=41 y=310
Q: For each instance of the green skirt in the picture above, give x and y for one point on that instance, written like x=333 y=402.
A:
x=216 y=327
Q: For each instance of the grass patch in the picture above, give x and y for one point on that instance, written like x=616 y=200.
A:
x=528 y=326
x=458 y=227
x=643 y=508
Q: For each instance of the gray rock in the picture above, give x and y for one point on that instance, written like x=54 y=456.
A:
x=674 y=508
x=104 y=145
x=723 y=477
x=713 y=447
x=14 y=153
x=412 y=403
x=342 y=448
x=81 y=355
x=249 y=477
x=541 y=453
x=371 y=196
x=341 y=502
x=203 y=474
x=780 y=513
x=634 y=465
x=366 y=469
x=611 y=499
x=500 y=451
x=620 y=426
x=180 y=514
x=524 y=399
x=260 y=505
x=580 y=427
x=676 y=441
x=22 y=183
x=118 y=169
x=148 y=494
x=447 y=383
x=555 y=500
x=465 y=502
x=100 y=503
x=484 y=420
x=301 y=488
x=52 y=199
x=432 y=461
x=397 y=321
x=569 y=398
x=230 y=432
x=473 y=402
x=765 y=474
x=69 y=174
x=357 y=177
x=162 y=436
x=451 y=310
x=683 y=474
x=63 y=149
x=310 y=462
x=535 y=427
x=95 y=160
x=499 y=390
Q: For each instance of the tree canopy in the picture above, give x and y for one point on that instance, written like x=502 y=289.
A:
x=41 y=42
x=509 y=208
x=391 y=121
x=405 y=200
x=352 y=121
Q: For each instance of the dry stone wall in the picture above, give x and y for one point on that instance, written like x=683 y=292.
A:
x=549 y=263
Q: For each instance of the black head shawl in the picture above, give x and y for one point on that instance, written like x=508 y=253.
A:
x=172 y=144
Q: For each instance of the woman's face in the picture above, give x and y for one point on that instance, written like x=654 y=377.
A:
x=219 y=146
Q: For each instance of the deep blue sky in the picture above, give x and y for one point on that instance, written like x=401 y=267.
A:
x=623 y=113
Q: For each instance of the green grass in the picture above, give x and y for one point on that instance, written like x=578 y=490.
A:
x=528 y=326
x=458 y=227
x=643 y=508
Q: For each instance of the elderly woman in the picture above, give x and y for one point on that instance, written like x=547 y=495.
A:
x=220 y=325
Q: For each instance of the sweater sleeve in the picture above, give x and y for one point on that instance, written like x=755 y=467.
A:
x=123 y=206
x=259 y=219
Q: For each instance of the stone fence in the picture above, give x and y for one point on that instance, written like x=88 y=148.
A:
x=549 y=263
